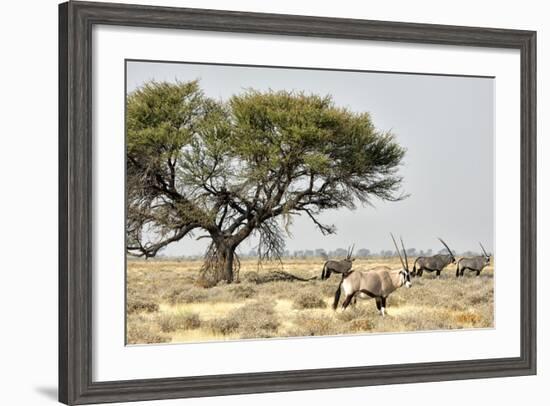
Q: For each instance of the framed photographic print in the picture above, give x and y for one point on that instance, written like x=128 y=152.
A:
x=253 y=202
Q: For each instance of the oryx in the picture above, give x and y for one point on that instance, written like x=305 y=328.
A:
x=435 y=263
x=377 y=283
x=333 y=266
x=473 y=264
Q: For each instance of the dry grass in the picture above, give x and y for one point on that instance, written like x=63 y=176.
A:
x=252 y=320
x=169 y=322
x=165 y=303
x=309 y=300
x=141 y=330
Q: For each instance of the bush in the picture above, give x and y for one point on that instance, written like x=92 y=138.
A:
x=467 y=319
x=191 y=321
x=309 y=301
x=224 y=326
x=145 y=335
x=361 y=325
x=253 y=320
x=314 y=326
x=242 y=291
x=396 y=300
x=138 y=305
x=190 y=295
x=139 y=331
x=252 y=277
x=481 y=298
x=328 y=288
x=353 y=313
x=169 y=322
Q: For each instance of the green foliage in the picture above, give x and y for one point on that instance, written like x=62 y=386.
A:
x=161 y=118
x=233 y=169
x=307 y=137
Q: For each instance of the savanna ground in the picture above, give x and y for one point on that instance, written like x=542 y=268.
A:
x=165 y=303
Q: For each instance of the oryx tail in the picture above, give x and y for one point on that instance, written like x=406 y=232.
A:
x=324 y=271
x=337 y=295
x=414 y=266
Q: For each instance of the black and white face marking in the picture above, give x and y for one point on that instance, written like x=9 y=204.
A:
x=406 y=278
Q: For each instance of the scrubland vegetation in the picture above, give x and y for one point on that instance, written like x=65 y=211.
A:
x=165 y=303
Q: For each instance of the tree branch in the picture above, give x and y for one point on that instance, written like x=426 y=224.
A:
x=151 y=249
x=325 y=230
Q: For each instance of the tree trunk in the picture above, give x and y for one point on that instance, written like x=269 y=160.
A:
x=226 y=247
x=229 y=257
x=225 y=251
x=221 y=262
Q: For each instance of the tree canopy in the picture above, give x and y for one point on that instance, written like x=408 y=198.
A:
x=245 y=166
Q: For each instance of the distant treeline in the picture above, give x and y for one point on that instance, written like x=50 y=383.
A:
x=340 y=253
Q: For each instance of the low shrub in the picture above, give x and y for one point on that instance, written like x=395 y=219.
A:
x=242 y=291
x=468 y=318
x=138 y=305
x=140 y=331
x=169 y=322
x=224 y=326
x=481 y=298
x=359 y=325
x=191 y=321
x=253 y=320
x=252 y=277
x=309 y=301
x=189 y=295
x=328 y=288
x=307 y=325
x=353 y=313
x=145 y=335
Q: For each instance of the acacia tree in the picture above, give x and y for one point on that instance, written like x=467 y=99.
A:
x=245 y=167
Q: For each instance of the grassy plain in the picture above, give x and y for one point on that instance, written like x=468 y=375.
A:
x=166 y=304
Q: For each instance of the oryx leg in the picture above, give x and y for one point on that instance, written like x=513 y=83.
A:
x=337 y=296
x=420 y=272
x=383 y=309
x=438 y=273
x=478 y=272
x=347 y=301
x=379 y=304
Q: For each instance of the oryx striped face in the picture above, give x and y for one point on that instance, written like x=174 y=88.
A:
x=406 y=275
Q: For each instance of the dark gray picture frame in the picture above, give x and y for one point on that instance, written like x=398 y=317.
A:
x=76 y=20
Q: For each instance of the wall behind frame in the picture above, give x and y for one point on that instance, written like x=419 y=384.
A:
x=28 y=208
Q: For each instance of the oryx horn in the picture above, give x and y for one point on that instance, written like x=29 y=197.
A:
x=485 y=252
x=404 y=253
x=446 y=246
x=398 y=251
x=351 y=251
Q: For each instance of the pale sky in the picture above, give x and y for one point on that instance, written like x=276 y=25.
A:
x=446 y=123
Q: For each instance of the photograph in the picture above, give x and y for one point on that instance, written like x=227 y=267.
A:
x=284 y=202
